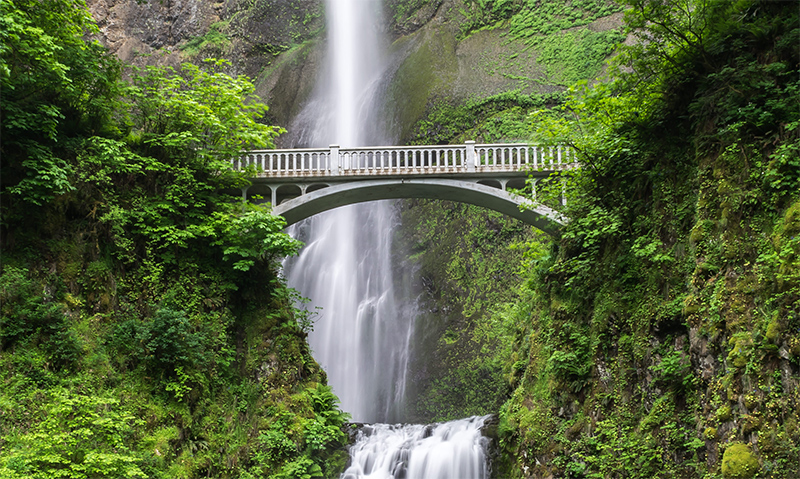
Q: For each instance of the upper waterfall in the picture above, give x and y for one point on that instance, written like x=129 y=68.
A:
x=362 y=334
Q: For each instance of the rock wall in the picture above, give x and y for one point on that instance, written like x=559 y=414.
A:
x=272 y=41
x=435 y=53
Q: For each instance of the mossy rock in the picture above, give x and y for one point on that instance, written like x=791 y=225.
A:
x=741 y=345
x=724 y=413
x=738 y=462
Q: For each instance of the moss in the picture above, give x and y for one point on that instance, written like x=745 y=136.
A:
x=700 y=231
x=724 y=413
x=710 y=433
x=690 y=305
x=738 y=462
x=773 y=329
x=750 y=423
x=740 y=344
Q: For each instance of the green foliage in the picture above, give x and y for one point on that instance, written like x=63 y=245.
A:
x=674 y=372
x=668 y=287
x=55 y=85
x=31 y=315
x=81 y=437
x=302 y=446
x=255 y=235
x=498 y=118
x=143 y=330
x=207 y=111
x=535 y=20
x=575 y=55
x=214 y=40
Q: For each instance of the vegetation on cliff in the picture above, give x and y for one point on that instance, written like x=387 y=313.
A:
x=665 y=339
x=143 y=329
x=658 y=336
x=471 y=261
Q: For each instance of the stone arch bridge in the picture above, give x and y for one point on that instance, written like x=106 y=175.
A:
x=303 y=182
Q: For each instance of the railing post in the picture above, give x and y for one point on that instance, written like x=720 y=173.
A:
x=336 y=160
x=470 y=155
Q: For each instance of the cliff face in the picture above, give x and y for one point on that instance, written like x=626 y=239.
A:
x=151 y=32
x=273 y=41
x=440 y=49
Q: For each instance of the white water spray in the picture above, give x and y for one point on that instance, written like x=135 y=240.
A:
x=453 y=450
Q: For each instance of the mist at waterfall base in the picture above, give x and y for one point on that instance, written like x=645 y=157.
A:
x=361 y=336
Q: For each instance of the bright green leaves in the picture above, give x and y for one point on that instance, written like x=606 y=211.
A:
x=574 y=55
x=299 y=446
x=162 y=186
x=206 y=111
x=254 y=235
x=45 y=175
x=81 y=437
x=55 y=85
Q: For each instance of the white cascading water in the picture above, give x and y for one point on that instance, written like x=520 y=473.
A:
x=361 y=337
x=454 y=450
x=362 y=333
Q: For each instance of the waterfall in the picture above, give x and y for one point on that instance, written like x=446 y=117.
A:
x=362 y=334
x=453 y=450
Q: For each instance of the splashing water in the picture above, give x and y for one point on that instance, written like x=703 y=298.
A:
x=453 y=450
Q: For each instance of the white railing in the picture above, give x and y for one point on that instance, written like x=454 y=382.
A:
x=394 y=160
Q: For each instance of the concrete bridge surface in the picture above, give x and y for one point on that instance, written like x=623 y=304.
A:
x=303 y=182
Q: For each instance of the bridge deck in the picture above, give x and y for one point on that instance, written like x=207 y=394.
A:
x=345 y=164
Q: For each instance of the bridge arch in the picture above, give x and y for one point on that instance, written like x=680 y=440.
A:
x=342 y=194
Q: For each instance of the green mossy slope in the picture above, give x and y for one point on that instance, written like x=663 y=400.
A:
x=144 y=331
x=665 y=336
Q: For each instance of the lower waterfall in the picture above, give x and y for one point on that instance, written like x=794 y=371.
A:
x=452 y=450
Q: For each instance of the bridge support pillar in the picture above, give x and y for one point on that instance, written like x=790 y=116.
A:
x=470 y=158
x=336 y=160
